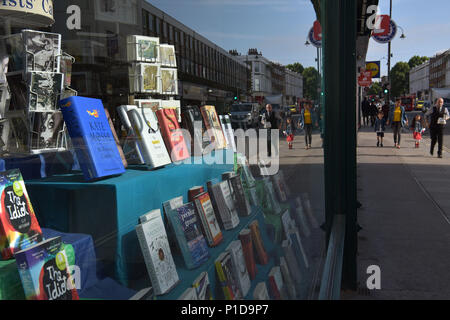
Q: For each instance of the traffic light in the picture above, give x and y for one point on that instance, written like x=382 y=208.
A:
x=235 y=98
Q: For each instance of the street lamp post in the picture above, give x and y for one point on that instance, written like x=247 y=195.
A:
x=388 y=96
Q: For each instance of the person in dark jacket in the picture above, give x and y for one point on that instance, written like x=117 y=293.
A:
x=438 y=118
x=365 y=105
x=380 y=127
x=269 y=121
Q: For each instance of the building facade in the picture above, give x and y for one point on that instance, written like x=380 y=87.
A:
x=294 y=87
x=419 y=81
x=440 y=70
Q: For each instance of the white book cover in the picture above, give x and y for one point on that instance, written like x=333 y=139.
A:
x=149 y=137
x=228 y=131
x=130 y=146
x=172 y=204
x=208 y=218
x=157 y=255
x=240 y=268
x=167 y=56
x=260 y=292
x=169 y=81
x=234 y=217
x=142 y=48
x=189 y=294
x=172 y=104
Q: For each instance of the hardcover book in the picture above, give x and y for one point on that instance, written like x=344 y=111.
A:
x=172 y=104
x=141 y=48
x=260 y=292
x=228 y=131
x=239 y=267
x=148 y=134
x=169 y=81
x=228 y=282
x=287 y=279
x=202 y=287
x=91 y=137
x=192 y=121
x=116 y=139
x=242 y=204
x=190 y=239
x=213 y=127
x=276 y=284
x=47 y=131
x=194 y=192
x=45 y=91
x=172 y=135
x=247 y=248
x=130 y=147
x=156 y=251
x=43 y=270
x=210 y=225
x=168 y=58
x=19 y=228
x=223 y=204
x=258 y=244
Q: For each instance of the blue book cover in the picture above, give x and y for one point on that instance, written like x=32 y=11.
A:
x=92 y=137
x=189 y=236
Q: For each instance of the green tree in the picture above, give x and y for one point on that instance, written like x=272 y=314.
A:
x=310 y=83
x=375 y=89
x=417 y=61
x=296 y=67
x=400 y=79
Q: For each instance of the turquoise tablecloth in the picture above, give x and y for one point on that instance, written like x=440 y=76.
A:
x=109 y=209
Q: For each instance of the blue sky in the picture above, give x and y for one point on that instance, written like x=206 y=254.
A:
x=278 y=28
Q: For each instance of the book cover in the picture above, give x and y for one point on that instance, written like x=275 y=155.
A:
x=91 y=137
x=242 y=203
x=260 y=292
x=223 y=204
x=258 y=244
x=188 y=234
x=239 y=267
x=213 y=127
x=43 y=270
x=192 y=120
x=202 y=287
x=208 y=219
x=291 y=261
x=116 y=138
x=276 y=284
x=168 y=206
x=287 y=279
x=247 y=248
x=19 y=228
x=156 y=251
x=47 y=131
x=299 y=251
x=45 y=91
x=172 y=104
x=189 y=294
x=167 y=53
x=130 y=147
x=141 y=48
x=194 y=192
x=148 y=135
x=226 y=279
x=169 y=81
x=279 y=187
x=172 y=135
x=228 y=131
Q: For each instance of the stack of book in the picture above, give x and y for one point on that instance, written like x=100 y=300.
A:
x=37 y=74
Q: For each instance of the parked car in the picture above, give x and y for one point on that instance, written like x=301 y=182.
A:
x=419 y=105
x=244 y=115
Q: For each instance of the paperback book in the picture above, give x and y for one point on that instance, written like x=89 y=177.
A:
x=228 y=131
x=202 y=287
x=43 y=270
x=276 y=284
x=172 y=135
x=245 y=237
x=258 y=243
x=210 y=225
x=242 y=203
x=280 y=187
x=67 y=62
x=308 y=209
x=91 y=137
x=239 y=267
x=187 y=230
x=168 y=58
x=19 y=228
x=156 y=251
x=130 y=144
x=194 y=192
x=291 y=261
x=213 y=127
x=141 y=48
x=172 y=104
x=293 y=236
x=301 y=221
x=148 y=135
x=191 y=119
x=228 y=282
x=169 y=81
x=223 y=204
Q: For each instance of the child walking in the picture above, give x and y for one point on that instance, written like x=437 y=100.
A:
x=380 y=127
x=289 y=133
x=419 y=128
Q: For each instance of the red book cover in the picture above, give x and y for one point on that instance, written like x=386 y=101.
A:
x=172 y=135
x=194 y=192
x=274 y=288
x=258 y=243
x=247 y=247
x=19 y=228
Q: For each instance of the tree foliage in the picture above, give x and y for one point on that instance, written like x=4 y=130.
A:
x=417 y=61
x=375 y=89
x=296 y=67
x=310 y=83
x=400 y=79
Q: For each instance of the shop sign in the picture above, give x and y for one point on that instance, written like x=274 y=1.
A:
x=28 y=11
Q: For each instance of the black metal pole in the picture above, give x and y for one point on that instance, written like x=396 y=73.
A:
x=389 y=63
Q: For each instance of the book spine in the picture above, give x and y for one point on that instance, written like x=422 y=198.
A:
x=247 y=248
x=181 y=238
x=274 y=289
x=204 y=221
x=257 y=241
x=148 y=260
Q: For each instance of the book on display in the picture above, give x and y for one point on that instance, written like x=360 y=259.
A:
x=239 y=267
x=210 y=224
x=291 y=261
x=260 y=292
x=213 y=127
x=228 y=131
x=192 y=121
x=258 y=243
x=116 y=139
x=223 y=204
x=91 y=137
x=172 y=104
x=202 y=287
x=301 y=221
x=287 y=279
x=225 y=273
x=308 y=209
x=172 y=135
x=242 y=203
x=130 y=147
x=276 y=284
x=188 y=294
x=156 y=251
x=247 y=248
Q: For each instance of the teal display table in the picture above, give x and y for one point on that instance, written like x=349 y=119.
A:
x=109 y=209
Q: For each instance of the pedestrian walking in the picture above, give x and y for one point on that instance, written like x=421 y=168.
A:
x=397 y=119
x=380 y=127
x=306 y=123
x=385 y=109
x=365 y=106
x=438 y=119
x=269 y=122
x=289 y=132
x=418 y=127
x=373 y=111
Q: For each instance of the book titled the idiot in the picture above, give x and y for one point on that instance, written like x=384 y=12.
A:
x=43 y=270
x=92 y=137
x=19 y=228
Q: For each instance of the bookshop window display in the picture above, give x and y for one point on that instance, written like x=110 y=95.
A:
x=112 y=188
